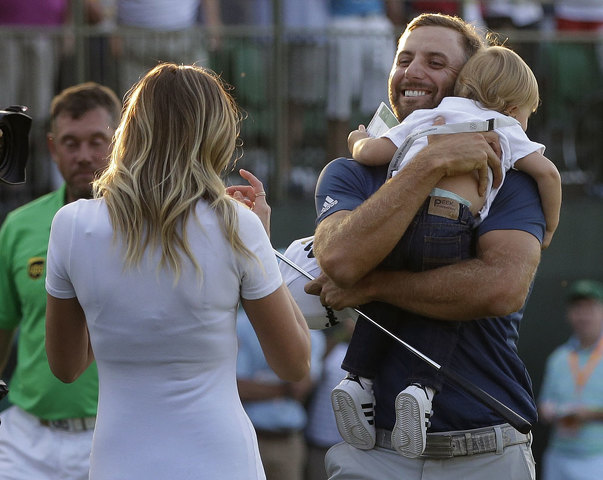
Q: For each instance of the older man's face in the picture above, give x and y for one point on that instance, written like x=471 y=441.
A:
x=425 y=68
x=586 y=319
x=80 y=147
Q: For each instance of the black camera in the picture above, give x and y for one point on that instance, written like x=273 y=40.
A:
x=14 y=143
x=3 y=389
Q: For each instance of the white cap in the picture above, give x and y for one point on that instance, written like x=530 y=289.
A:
x=317 y=315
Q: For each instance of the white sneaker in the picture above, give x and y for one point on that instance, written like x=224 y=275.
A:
x=413 y=412
x=354 y=407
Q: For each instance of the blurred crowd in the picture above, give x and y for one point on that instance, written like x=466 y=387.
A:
x=335 y=59
x=325 y=51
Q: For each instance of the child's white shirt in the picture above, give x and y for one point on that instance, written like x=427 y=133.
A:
x=514 y=142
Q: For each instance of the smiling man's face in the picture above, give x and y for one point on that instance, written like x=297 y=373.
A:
x=425 y=68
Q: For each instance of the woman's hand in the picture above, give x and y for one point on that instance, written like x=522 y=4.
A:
x=252 y=195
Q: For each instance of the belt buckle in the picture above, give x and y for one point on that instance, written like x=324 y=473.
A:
x=474 y=443
x=440 y=446
x=62 y=424
x=70 y=424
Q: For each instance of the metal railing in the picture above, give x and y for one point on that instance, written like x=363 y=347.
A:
x=256 y=62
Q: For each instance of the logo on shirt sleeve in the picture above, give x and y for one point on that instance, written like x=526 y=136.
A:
x=35 y=267
x=329 y=203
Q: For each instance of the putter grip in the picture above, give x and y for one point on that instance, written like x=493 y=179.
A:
x=514 y=419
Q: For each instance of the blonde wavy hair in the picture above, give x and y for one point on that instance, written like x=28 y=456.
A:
x=177 y=136
x=498 y=78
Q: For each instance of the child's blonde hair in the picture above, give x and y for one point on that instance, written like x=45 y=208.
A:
x=498 y=78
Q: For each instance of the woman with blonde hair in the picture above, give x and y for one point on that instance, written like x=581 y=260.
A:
x=146 y=279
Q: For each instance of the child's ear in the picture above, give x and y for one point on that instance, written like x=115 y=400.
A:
x=512 y=111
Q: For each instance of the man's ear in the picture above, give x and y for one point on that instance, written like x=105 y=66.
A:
x=50 y=143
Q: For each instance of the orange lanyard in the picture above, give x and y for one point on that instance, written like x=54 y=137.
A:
x=581 y=375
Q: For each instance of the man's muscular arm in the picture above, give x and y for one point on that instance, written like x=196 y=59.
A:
x=348 y=245
x=495 y=283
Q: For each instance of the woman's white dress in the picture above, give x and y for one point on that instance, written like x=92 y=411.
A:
x=166 y=353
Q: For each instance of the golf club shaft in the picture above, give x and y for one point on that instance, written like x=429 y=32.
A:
x=514 y=419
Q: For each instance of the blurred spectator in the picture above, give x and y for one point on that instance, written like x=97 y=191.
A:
x=571 y=398
x=276 y=408
x=402 y=11
x=571 y=79
x=447 y=7
x=578 y=15
x=510 y=15
x=306 y=56
x=573 y=67
x=243 y=61
x=157 y=31
x=321 y=431
x=99 y=65
x=361 y=48
x=30 y=59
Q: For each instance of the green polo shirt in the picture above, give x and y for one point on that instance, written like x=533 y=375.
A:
x=23 y=246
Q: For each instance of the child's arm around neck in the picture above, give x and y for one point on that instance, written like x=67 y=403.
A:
x=368 y=150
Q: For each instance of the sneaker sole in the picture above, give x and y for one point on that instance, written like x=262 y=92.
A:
x=349 y=423
x=407 y=435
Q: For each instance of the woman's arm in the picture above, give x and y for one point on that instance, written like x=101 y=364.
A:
x=283 y=333
x=67 y=341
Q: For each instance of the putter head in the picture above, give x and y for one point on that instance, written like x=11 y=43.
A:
x=317 y=315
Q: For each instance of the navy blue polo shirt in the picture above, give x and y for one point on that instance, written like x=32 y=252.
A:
x=487 y=348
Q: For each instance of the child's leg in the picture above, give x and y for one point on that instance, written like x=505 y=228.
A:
x=437 y=240
x=413 y=404
x=368 y=342
x=353 y=400
x=438 y=340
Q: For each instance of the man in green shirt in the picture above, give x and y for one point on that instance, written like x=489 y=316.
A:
x=47 y=432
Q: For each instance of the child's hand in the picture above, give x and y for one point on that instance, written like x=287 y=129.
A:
x=546 y=241
x=356 y=135
x=551 y=228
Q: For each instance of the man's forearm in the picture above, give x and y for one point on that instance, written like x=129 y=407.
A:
x=494 y=284
x=431 y=294
x=348 y=245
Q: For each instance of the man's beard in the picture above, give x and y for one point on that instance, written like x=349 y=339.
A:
x=403 y=109
x=81 y=192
